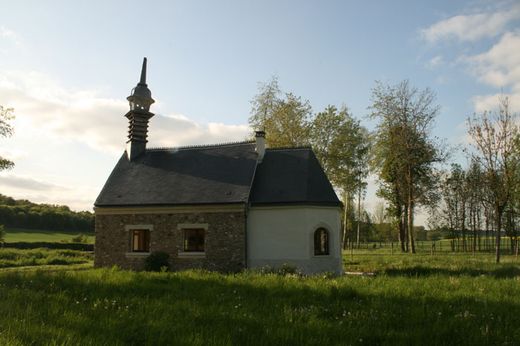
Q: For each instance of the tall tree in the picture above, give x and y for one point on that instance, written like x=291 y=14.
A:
x=495 y=143
x=340 y=142
x=284 y=116
x=475 y=189
x=6 y=130
x=342 y=146
x=459 y=203
x=382 y=222
x=405 y=150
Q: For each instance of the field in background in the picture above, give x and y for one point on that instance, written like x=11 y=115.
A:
x=484 y=245
x=31 y=235
x=43 y=258
x=420 y=299
x=425 y=264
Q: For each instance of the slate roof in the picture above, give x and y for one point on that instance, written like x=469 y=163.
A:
x=218 y=174
x=291 y=176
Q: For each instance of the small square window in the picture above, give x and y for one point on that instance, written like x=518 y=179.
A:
x=140 y=240
x=194 y=240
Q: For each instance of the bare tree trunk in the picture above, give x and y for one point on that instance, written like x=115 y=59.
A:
x=345 y=208
x=411 y=247
x=402 y=235
x=474 y=227
x=486 y=242
x=405 y=227
x=479 y=227
x=463 y=225
x=512 y=229
x=497 y=240
x=359 y=217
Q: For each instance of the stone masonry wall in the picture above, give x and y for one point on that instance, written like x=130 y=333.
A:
x=225 y=242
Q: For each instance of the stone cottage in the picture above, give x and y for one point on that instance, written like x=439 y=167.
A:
x=223 y=207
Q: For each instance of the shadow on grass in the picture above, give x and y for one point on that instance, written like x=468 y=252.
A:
x=509 y=271
x=117 y=307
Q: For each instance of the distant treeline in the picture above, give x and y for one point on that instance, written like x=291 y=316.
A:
x=49 y=245
x=25 y=214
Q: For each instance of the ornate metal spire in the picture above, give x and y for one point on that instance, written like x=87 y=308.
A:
x=141 y=96
x=143 y=73
x=140 y=101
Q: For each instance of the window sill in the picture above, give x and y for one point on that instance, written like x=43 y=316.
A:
x=184 y=254
x=137 y=254
x=321 y=256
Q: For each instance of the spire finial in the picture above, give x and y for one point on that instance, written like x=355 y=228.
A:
x=141 y=96
x=143 y=73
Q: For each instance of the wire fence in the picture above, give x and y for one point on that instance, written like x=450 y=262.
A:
x=508 y=246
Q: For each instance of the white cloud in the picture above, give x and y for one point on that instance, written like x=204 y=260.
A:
x=25 y=183
x=471 y=27
x=12 y=154
x=85 y=116
x=174 y=130
x=490 y=102
x=52 y=119
x=435 y=61
x=10 y=35
x=40 y=191
x=498 y=67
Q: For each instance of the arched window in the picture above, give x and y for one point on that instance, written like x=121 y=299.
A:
x=321 y=242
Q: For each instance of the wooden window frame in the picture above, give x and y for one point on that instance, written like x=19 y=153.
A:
x=129 y=229
x=200 y=248
x=143 y=240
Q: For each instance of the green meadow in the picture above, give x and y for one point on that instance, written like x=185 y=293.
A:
x=410 y=300
x=31 y=235
x=44 y=258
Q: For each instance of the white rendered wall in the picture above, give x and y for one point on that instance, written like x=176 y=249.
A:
x=285 y=235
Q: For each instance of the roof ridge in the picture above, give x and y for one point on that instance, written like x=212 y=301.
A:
x=293 y=148
x=197 y=146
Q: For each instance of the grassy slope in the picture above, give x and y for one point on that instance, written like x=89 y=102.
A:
x=31 y=235
x=412 y=300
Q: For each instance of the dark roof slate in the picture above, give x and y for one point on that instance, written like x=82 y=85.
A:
x=218 y=174
x=291 y=176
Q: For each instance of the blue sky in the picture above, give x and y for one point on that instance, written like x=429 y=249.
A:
x=67 y=67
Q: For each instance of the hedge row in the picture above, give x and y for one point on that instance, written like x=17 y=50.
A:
x=49 y=245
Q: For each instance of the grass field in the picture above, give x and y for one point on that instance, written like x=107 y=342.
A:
x=419 y=300
x=10 y=258
x=31 y=235
x=384 y=261
x=440 y=246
